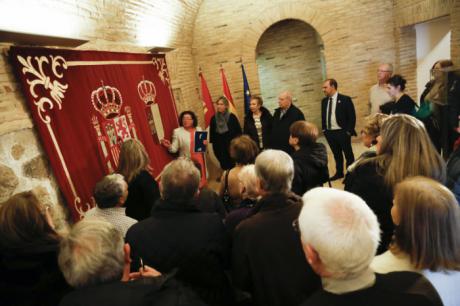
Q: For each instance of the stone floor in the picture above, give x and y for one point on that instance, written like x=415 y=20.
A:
x=358 y=149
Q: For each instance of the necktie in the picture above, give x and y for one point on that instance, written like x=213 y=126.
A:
x=329 y=114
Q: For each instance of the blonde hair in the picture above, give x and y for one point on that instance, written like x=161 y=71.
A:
x=406 y=150
x=373 y=124
x=133 y=159
x=429 y=224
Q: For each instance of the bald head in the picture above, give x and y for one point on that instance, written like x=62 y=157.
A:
x=285 y=99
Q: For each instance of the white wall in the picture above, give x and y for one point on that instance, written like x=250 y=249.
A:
x=433 y=43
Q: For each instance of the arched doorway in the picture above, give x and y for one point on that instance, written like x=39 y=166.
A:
x=289 y=57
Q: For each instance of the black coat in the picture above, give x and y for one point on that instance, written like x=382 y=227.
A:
x=405 y=105
x=279 y=139
x=268 y=260
x=395 y=289
x=180 y=236
x=30 y=276
x=143 y=191
x=344 y=113
x=221 y=142
x=161 y=291
x=266 y=119
x=367 y=181
x=310 y=168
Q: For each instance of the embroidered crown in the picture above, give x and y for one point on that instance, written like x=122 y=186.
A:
x=107 y=101
x=147 y=92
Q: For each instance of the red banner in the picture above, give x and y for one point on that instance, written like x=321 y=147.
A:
x=208 y=106
x=86 y=103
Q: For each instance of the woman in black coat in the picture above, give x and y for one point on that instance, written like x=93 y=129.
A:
x=403 y=103
x=143 y=190
x=258 y=123
x=404 y=149
x=224 y=127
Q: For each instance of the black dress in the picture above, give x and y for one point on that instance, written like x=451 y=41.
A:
x=142 y=194
x=266 y=119
x=221 y=142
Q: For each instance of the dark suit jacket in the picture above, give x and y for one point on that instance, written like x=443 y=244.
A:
x=280 y=129
x=268 y=260
x=180 y=236
x=344 y=113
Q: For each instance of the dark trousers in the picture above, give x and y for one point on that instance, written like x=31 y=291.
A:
x=339 y=141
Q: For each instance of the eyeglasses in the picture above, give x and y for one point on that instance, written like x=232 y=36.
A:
x=295 y=226
x=378 y=70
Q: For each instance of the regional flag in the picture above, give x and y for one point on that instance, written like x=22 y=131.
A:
x=227 y=93
x=208 y=106
x=246 y=91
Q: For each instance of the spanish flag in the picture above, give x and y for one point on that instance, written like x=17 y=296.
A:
x=227 y=93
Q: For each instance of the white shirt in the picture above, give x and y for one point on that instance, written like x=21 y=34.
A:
x=114 y=215
x=377 y=96
x=334 y=125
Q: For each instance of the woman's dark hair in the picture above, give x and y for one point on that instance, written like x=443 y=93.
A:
x=23 y=222
x=192 y=114
x=397 y=80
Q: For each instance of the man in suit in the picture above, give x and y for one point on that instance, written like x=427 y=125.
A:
x=338 y=124
x=284 y=116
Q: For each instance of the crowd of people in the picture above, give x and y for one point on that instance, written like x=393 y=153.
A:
x=271 y=234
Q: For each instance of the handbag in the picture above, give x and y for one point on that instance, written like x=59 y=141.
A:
x=424 y=110
x=226 y=199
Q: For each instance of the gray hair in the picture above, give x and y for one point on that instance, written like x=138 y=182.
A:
x=179 y=180
x=248 y=179
x=92 y=253
x=342 y=228
x=275 y=170
x=108 y=191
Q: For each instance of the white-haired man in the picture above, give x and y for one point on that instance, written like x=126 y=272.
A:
x=110 y=195
x=284 y=116
x=378 y=94
x=340 y=235
x=179 y=235
x=95 y=261
x=268 y=261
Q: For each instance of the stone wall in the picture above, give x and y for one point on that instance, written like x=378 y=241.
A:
x=108 y=25
x=354 y=34
x=289 y=58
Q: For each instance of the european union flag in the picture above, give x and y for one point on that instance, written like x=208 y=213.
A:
x=247 y=91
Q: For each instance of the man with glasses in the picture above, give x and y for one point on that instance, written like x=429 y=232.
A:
x=378 y=94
